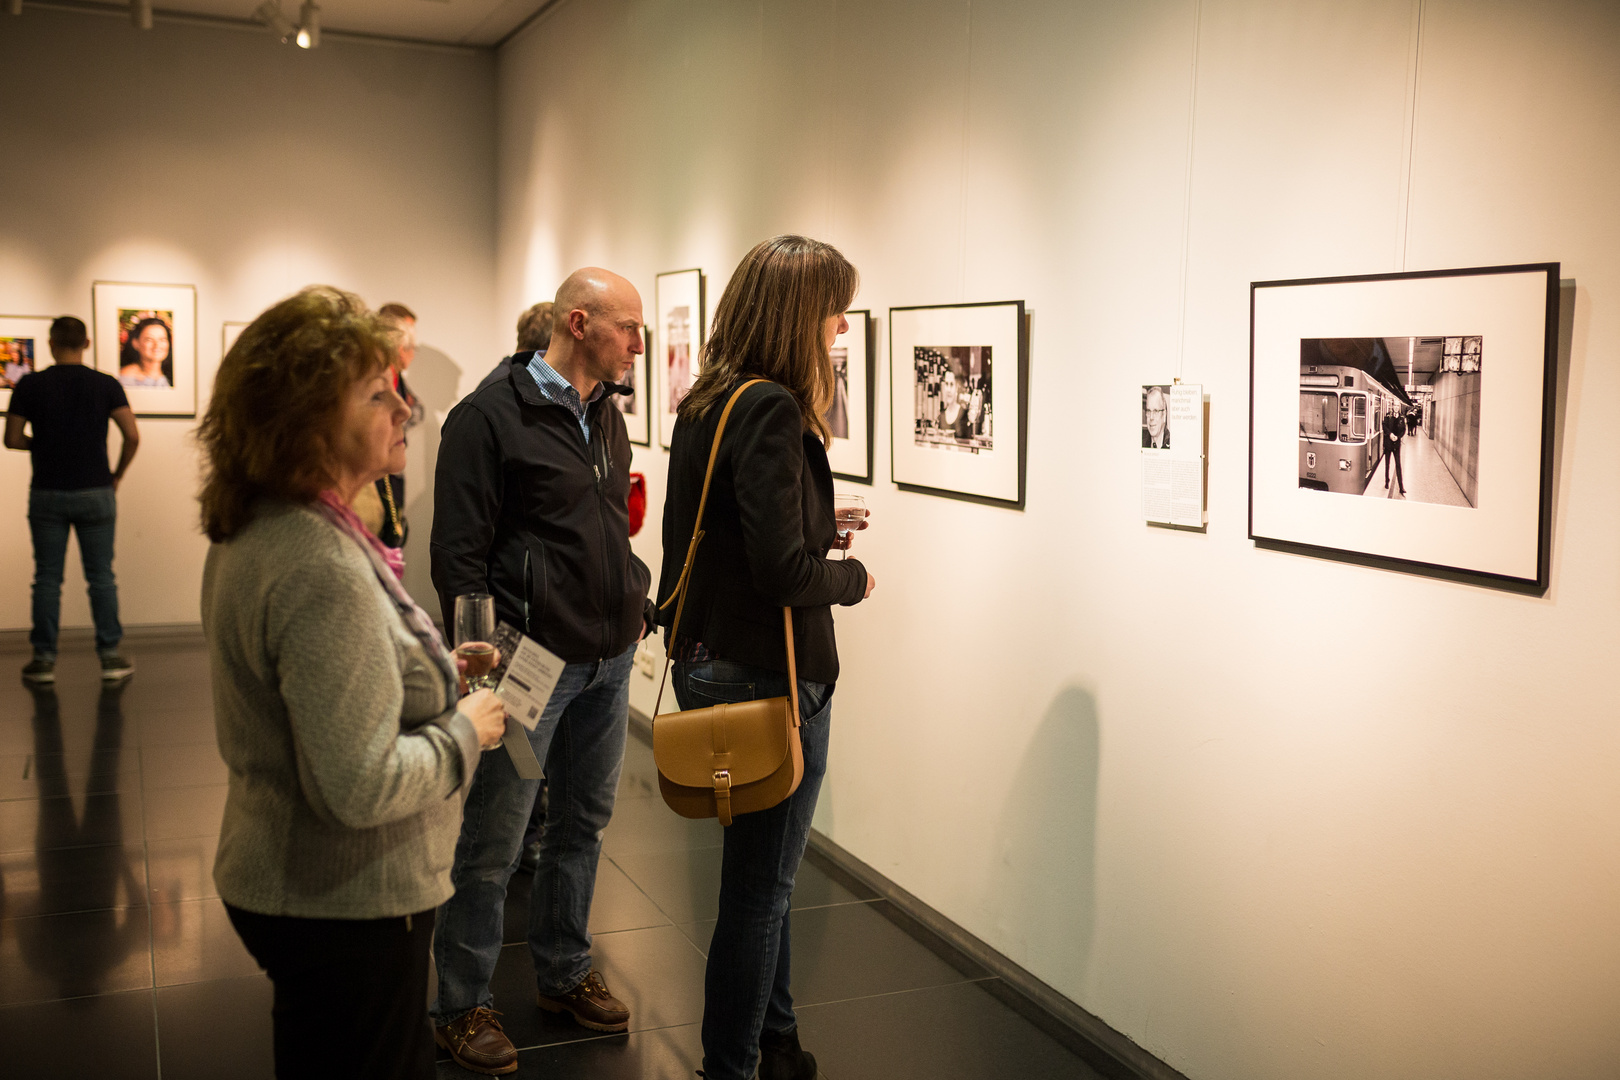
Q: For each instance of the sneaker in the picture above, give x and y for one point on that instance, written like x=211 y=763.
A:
x=114 y=667
x=591 y=1004
x=781 y=1059
x=40 y=670
x=475 y=1041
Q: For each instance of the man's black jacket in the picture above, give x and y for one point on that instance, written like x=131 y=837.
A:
x=766 y=531
x=526 y=511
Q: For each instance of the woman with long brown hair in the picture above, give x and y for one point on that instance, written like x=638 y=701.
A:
x=336 y=704
x=768 y=527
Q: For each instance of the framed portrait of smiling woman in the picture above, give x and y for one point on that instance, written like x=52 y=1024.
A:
x=145 y=336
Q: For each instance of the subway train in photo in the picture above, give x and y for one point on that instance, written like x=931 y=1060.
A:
x=1342 y=405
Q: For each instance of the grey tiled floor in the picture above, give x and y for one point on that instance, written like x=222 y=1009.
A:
x=112 y=935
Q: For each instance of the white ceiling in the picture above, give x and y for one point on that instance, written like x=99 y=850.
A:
x=458 y=22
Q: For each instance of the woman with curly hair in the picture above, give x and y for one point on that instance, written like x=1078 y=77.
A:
x=336 y=704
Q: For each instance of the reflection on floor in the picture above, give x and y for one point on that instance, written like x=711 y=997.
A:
x=117 y=961
x=1427 y=478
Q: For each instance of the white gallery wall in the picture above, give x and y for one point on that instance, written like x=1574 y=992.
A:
x=217 y=157
x=1273 y=817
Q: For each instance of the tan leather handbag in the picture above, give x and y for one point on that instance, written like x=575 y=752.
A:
x=727 y=759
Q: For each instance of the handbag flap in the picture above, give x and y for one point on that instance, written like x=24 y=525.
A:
x=749 y=739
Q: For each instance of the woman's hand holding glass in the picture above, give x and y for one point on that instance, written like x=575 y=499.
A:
x=488 y=716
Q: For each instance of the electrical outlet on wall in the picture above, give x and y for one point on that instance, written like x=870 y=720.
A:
x=644 y=659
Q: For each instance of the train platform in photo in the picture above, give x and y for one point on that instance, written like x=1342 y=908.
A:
x=1427 y=478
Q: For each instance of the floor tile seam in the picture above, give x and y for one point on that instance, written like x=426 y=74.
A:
x=77 y=997
x=603 y=1035
x=64 y=847
x=656 y=905
x=81 y=911
x=896 y=993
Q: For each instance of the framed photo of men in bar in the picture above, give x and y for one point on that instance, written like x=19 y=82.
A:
x=146 y=337
x=854 y=405
x=679 y=336
x=958 y=400
x=25 y=347
x=637 y=421
x=1406 y=420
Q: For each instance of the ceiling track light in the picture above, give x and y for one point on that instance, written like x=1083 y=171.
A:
x=309 y=25
x=140 y=13
x=270 y=14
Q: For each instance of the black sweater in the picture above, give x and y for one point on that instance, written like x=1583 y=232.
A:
x=525 y=510
x=767 y=530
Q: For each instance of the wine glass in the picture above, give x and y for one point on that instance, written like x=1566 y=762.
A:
x=848 y=513
x=475 y=627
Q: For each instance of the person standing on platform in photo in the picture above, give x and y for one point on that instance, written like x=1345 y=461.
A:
x=339 y=711
x=533 y=335
x=68 y=406
x=532 y=506
x=1394 y=426
x=1155 y=419
x=767 y=529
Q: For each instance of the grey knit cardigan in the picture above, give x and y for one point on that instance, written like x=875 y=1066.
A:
x=344 y=748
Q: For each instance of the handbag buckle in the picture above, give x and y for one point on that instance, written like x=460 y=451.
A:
x=722 y=795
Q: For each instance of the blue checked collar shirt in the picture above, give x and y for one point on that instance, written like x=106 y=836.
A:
x=561 y=392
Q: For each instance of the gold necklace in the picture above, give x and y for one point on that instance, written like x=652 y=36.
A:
x=393 y=511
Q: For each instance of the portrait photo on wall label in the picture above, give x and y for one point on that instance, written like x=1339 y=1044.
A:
x=146 y=348
x=952 y=391
x=1156 y=417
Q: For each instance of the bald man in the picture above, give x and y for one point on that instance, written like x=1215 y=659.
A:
x=532 y=506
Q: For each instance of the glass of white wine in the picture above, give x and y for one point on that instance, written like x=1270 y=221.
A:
x=848 y=513
x=475 y=629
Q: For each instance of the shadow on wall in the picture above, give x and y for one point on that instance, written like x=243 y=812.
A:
x=435 y=379
x=1043 y=884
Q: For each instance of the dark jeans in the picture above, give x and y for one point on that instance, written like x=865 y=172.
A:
x=747 y=987
x=350 y=994
x=580 y=738
x=1394 y=453
x=94 y=513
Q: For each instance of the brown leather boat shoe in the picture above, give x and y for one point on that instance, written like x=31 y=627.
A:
x=475 y=1041
x=591 y=1004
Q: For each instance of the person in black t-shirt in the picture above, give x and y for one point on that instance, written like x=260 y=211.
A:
x=68 y=406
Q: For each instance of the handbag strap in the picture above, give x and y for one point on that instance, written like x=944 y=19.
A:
x=678 y=596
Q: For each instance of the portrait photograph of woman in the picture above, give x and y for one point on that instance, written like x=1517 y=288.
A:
x=145 y=336
x=146 y=348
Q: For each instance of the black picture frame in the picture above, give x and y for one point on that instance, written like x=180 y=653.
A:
x=1010 y=492
x=870 y=346
x=1508 y=543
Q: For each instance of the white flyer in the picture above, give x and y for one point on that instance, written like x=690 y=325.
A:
x=531 y=675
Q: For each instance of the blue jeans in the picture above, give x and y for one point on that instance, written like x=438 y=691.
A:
x=746 y=988
x=580 y=738
x=94 y=513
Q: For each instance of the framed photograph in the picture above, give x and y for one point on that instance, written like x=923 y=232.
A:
x=637 y=420
x=1377 y=434
x=146 y=337
x=228 y=335
x=24 y=348
x=679 y=335
x=854 y=406
x=958 y=400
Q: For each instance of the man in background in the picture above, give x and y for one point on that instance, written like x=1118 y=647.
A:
x=382 y=506
x=533 y=335
x=68 y=406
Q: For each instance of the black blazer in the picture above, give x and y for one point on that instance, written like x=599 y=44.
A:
x=767 y=530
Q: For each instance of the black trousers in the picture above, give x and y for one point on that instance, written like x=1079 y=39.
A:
x=350 y=994
x=1395 y=454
